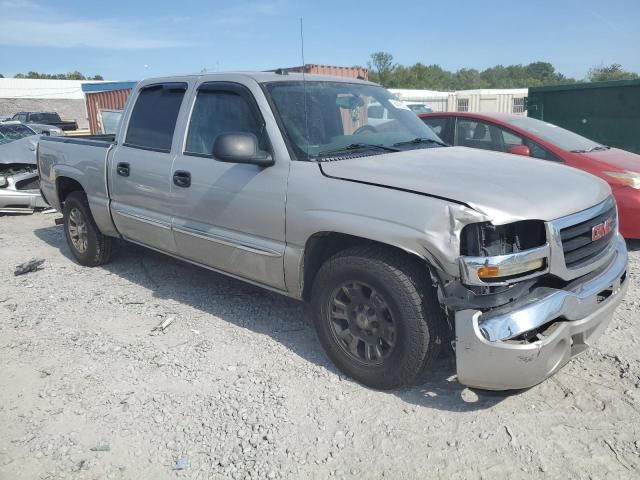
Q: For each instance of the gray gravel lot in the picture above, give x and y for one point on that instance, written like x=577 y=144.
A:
x=238 y=386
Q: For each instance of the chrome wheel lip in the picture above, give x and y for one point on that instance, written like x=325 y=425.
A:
x=77 y=229
x=361 y=323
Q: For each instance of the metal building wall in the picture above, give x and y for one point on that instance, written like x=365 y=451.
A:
x=107 y=100
x=607 y=112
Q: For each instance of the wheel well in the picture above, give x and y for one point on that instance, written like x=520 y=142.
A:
x=323 y=245
x=66 y=185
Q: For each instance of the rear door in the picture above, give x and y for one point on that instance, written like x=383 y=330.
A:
x=140 y=167
x=230 y=216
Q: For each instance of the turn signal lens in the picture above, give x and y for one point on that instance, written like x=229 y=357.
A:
x=489 y=271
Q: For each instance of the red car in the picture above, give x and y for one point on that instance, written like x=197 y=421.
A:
x=530 y=137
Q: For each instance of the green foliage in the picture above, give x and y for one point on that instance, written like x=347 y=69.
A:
x=614 y=71
x=58 y=76
x=1 y=75
x=433 y=77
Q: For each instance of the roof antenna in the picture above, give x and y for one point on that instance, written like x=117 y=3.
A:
x=304 y=89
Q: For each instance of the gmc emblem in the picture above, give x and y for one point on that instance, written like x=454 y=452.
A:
x=602 y=229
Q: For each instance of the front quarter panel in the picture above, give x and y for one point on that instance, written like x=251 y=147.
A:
x=425 y=226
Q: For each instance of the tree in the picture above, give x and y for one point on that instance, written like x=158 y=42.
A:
x=1 y=75
x=382 y=65
x=602 y=73
x=58 y=76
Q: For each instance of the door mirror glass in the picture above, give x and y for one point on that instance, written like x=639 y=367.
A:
x=520 y=150
x=240 y=147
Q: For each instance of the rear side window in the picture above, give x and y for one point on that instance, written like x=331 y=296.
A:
x=154 y=117
x=217 y=111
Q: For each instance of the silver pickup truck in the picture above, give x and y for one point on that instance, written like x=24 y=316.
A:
x=401 y=244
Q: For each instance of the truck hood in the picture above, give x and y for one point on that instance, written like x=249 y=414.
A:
x=19 y=151
x=504 y=187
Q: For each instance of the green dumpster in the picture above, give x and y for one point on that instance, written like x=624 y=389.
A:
x=607 y=112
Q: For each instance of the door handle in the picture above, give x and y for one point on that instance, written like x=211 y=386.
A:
x=123 y=169
x=182 y=178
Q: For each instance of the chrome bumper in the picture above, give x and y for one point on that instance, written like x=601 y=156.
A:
x=21 y=201
x=489 y=356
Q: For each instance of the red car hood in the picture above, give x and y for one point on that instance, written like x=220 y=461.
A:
x=614 y=157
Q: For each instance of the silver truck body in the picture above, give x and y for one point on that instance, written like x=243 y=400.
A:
x=261 y=225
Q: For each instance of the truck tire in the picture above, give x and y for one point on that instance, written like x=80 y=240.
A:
x=377 y=316
x=88 y=245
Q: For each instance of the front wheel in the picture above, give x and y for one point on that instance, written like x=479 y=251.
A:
x=377 y=316
x=88 y=245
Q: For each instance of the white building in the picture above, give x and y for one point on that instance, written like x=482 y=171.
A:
x=63 y=96
x=485 y=100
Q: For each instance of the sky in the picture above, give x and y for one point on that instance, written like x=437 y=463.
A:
x=131 y=40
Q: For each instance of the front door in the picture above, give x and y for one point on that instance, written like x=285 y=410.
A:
x=140 y=168
x=229 y=216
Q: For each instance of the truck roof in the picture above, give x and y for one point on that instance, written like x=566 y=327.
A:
x=260 y=77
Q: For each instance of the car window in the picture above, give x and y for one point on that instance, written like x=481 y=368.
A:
x=220 y=111
x=511 y=139
x=44 y=117
x=477 y=134
x=21 y=117
x=154 y=117
x=437 y=124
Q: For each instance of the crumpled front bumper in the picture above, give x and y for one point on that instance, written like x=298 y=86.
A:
x=566 y=323
x=20 y=201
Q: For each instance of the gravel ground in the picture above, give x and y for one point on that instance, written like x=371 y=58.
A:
x=238 y=386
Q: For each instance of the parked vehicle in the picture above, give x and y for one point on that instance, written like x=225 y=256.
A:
x=531 y=137
x=418 y=108
x=45 y=118
x=19 y=191
x=399 y=245
x=39 y=128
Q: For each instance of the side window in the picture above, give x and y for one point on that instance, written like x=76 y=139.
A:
x=477 y=134
x=512 y=139
x=21 y=117
x=438 y=125
x=221 y=111
x=154 y=117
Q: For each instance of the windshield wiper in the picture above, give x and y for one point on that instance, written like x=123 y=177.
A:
x=420 y=140
x=358 y=146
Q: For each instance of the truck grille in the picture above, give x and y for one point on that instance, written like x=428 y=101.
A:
x=577 y=243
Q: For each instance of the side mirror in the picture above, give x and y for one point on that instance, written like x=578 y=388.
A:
x=520 y=150
x=240 y=147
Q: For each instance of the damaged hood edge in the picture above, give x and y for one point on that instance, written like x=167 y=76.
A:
x=22 y=151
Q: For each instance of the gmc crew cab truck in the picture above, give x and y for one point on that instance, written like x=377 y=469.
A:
x=400 y=244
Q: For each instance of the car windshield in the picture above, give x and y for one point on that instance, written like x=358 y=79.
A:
x=10 y=133
x=321 y=119
x=555 y=135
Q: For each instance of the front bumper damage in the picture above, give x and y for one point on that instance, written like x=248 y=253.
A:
x=19 y=196
x=538 y=334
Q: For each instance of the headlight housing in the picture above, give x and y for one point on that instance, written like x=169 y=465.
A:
x=3 y=181
x=503 y=254
x=628 y=178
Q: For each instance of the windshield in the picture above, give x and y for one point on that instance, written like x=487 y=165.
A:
x=10 y=133
x=321 y=119
x=558 y=136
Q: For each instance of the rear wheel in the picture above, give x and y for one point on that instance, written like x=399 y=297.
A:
x=377 y=316
x=88 y=245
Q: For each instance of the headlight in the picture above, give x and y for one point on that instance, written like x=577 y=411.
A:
x=3 y=181
x=630 y=179
x=500 y=254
